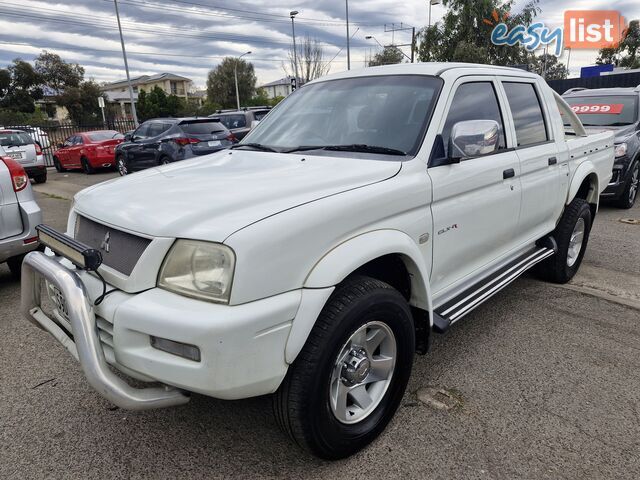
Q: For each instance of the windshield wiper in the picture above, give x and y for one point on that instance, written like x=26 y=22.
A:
x=356 y=147
x=255 y=146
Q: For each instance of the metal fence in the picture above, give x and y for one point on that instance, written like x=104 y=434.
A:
x=51 y=136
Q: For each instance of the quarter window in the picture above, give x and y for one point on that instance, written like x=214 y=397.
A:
x=527 y=113
x=474 y=101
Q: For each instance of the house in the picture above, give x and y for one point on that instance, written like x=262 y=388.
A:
x=48 y=105
x=279 y=88
x=172 y=84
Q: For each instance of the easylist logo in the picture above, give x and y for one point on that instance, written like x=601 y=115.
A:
x=593 y=29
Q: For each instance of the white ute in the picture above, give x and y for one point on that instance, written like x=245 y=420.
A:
x=312 y=261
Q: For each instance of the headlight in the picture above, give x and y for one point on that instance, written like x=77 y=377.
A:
x=198 y=269
x=621 y=150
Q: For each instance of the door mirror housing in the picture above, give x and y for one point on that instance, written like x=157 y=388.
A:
x=128 y=137
x=474 y=138
x=60 y=145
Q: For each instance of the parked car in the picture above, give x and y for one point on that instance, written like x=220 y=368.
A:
x=19 y=214
x=240 y=122
x=371 y=210
x=166 y=140
x=38 y=134
x=88 y=151
x=616 y=110
x=21 y=147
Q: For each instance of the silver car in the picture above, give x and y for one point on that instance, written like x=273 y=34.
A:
x=20 y=146
x=19 y=214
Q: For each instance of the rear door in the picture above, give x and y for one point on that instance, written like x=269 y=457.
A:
x=540 y=159
x=75 y=151
x=476 y=203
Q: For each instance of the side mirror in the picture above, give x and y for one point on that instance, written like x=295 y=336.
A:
x=128 y=137
x=474 y=138
x=254 y=124
x=61 y=145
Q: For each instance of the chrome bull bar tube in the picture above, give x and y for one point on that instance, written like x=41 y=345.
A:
x=85 y=346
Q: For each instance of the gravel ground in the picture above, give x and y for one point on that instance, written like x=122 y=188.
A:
x=545 y=381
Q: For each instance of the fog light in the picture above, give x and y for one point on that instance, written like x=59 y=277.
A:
x=190 y=352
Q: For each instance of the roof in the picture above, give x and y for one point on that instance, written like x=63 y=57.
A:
x=589 y=92
x=144 y=79
x=282 y=81
x=436 y=69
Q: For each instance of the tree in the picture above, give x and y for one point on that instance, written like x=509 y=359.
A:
x=56 y=73
x=156 y=103
x=311 y=63
x=548 y=66
x=627 y=53
x=390 y=55
x=465 y=33
x=81 y=102
x=221 y=84
x=5 y=81
x=20 y=87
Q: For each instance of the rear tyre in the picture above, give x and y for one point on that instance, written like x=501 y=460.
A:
x=58 y=165
x=572 y=236
x=121 y=166
x=348 y=380
x=630 y=193
x=164 y=161
x=15 y=265
x=41 y=178
x=86 y=166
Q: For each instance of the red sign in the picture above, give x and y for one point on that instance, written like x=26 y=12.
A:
x=600 y=108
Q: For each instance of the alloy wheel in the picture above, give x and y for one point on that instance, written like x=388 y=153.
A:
x=362 y=372
x=575 y=243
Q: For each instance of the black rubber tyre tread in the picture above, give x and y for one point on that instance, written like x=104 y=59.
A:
x=40 y=178
x=289 y=398
x=15 y=265
x=58 y=165
x=555 y=268
x=623 y=201
x=86 y=166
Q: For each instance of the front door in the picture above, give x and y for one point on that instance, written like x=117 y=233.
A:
x=476 y=202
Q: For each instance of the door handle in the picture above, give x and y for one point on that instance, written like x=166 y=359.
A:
x=553 y=161
x=510 y=173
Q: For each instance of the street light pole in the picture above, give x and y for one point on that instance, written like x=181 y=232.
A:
x=235 y=74
x=295 y=50
x=432 y=2
x=348 y=37
x=126 y=67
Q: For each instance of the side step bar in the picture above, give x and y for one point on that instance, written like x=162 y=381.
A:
x=467 y=301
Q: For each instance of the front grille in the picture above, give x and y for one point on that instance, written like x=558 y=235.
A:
x=120 y=250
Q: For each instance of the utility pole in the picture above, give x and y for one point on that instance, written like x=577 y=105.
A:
x=569 y=62
x=126 y=67
x=295 y=50
x=348 y=37
x=401 y=28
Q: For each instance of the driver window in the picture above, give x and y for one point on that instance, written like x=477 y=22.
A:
x=141 y=131
x=474 y=101
x=68 y=142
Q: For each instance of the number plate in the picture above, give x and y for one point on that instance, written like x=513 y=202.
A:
x=214 y=143
x=15 y=155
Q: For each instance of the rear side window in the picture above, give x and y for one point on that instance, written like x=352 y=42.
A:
x=15 y=139
x=527 y=113
x=260 y=114
x=233 y=121
x=157 y=128
x=77 y=140
x=100 y=136
x=474 y=101
x=202 y=128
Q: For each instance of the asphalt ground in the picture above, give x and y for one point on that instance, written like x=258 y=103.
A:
x=544 y=382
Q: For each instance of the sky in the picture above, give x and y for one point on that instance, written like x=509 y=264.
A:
x=189 y=37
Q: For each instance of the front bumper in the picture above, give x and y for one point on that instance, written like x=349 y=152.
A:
x=242 y=347
x=619 y=178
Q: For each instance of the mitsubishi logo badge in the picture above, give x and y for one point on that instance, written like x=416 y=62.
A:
x=105 y=243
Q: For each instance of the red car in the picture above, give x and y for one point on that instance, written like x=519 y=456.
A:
x=88 y=151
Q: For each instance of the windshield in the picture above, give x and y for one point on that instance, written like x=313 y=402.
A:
x=390 y=111
x=605 y=111
x=15 y=139
x=100 y=136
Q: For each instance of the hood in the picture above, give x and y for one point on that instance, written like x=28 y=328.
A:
x=620 y=133
x=213 y=196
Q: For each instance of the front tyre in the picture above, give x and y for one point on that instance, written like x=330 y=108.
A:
x=121 y=165
x=348 y=380
x=572 y=236
x=630 y=193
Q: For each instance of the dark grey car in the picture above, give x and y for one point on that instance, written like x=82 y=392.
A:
x=166 y=140
x=617 y=110
x=240 y=122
